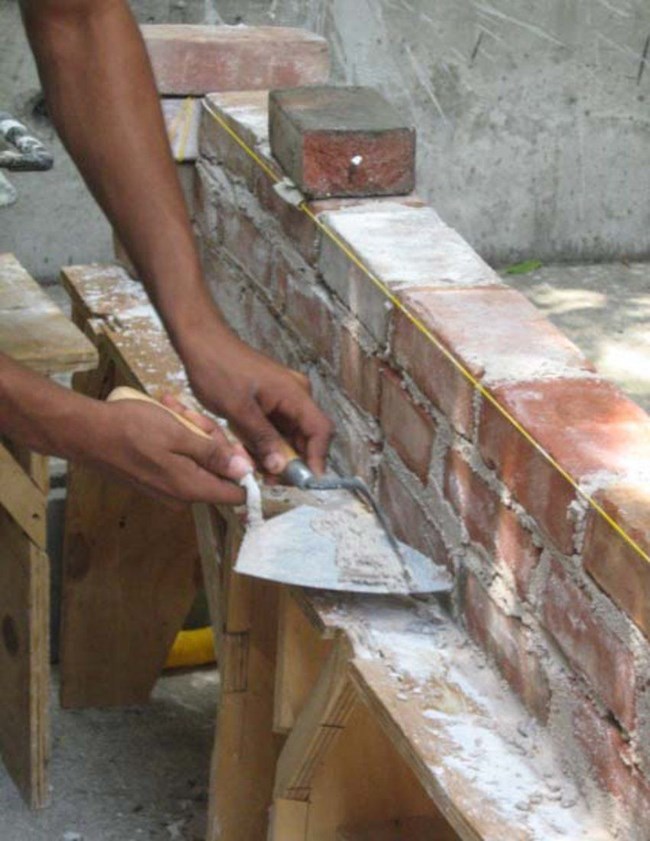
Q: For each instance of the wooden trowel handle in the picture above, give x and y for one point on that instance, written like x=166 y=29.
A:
x=123 y=392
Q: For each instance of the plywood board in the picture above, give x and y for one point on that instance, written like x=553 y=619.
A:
x=33 y=330
x=24 y=661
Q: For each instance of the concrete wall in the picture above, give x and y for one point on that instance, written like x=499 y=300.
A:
x=55 y=221
x=534 y=128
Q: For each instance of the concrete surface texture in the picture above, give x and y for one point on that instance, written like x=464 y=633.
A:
x=532 y=118
x=55 y=221
x=605 y=310
x=135 y=774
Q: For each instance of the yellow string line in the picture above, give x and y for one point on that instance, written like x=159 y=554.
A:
x=424 y=330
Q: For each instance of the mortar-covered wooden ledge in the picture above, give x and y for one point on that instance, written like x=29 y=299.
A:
x=355 y=717
x=35 y=332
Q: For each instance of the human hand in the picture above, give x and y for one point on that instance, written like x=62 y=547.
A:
x=144 y=445
x=261 y=399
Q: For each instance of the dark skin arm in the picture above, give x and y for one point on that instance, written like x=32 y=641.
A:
x=130 y=440
x=101 y=96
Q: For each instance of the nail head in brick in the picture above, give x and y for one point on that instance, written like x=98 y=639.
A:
x=341 y=141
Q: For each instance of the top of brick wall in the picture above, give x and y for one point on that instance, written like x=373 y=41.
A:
x=192 y=60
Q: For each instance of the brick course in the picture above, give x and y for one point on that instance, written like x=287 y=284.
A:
x=195 y=60
x=564 y=646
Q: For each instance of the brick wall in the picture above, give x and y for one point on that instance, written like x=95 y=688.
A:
x=548 y=589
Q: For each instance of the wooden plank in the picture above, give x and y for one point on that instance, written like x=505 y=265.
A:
x=302 y=652
x=246 y=750
x=365 y=781
x=33 y=330
x=319 y=724
x=210 y=534
x=289 y=821
x=35 y=465
x=21 y=498
x=130 y=575
x=24 y=662
x=420 y=828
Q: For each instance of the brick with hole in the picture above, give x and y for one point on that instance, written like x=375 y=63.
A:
x=341 y=141
x=618 y=567
x=197 y=59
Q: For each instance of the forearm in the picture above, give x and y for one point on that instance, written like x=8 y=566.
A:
x=44 y=416
x=101 y=95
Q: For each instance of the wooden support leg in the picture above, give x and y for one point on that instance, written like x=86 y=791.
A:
x=24 y=661
x=130 y=574
x=365 y=784
x=246 y=750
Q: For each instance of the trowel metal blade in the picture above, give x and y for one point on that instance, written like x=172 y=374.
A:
x=288 y=550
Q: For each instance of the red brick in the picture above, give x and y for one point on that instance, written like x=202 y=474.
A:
x=503 y=637
x=267 y=334
x=587 y=425
x=245 y=243
x=617 y=567
x=589 y=645
x=312 y=316
x=494 y=332
x=246 y=113
x=408 y=517
x=341 y=141
x=408 y=428
x=433 y=374
x=610 y=757
x=192 y=59
x=490 y=523
x=359 y=371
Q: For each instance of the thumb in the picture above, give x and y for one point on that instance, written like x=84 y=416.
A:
x=262 y=439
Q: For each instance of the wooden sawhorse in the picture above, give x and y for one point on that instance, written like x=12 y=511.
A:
x=35 y=332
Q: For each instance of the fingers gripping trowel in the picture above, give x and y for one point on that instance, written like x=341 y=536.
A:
x=332 y=546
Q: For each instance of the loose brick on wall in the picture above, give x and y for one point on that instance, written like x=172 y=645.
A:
x=197 y=59
x=341 y=141
x=589 y=644
x=617 y=567
x=586 y=424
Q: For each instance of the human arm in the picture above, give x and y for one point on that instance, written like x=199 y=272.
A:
x=132 y=441
x=101 y=96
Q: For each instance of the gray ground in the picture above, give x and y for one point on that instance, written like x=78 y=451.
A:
x=134 y=774
x=605 y=309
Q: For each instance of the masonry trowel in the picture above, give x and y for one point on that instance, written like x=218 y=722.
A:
x=340 y=542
